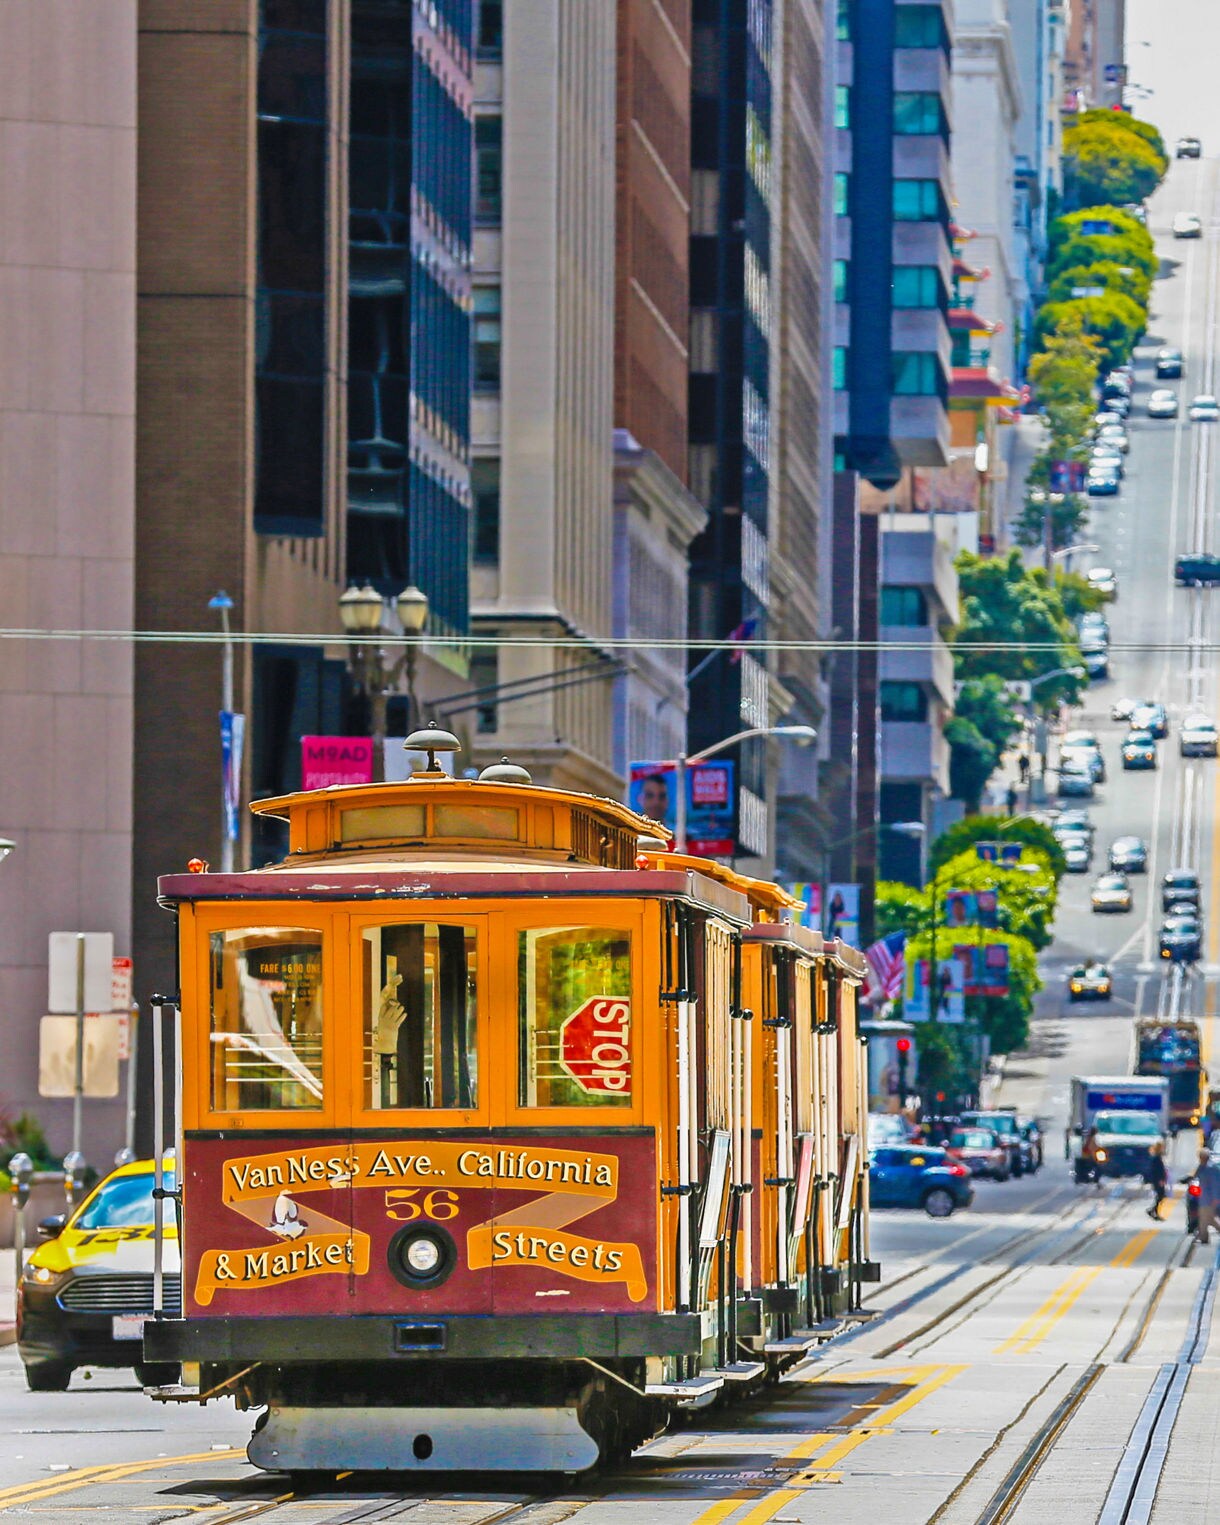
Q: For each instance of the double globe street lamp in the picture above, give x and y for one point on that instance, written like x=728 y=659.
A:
x=376 y=675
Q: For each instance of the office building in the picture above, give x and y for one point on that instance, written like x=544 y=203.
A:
x=67 y=451
x=304 y=229
x=543 y=388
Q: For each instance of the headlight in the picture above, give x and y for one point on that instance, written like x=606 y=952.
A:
x=1100 y=1154
x=423 y=1256
x=44 y=1279
x=1076 y=987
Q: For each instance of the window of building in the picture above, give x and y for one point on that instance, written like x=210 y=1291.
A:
x=574 y=1017
x=485 y=487
x=488 y=132
x=840 y=280
x=491 y=28
x=918 y=111
x=420 y=1005
x=840 y=368
x=919 y=26
x=487 y=338
x=903 y=606
x=842 y=105
x=916 y=200
x=484 y=676
x=842 y=186
x=266 y=1033
x=843 y=20
x=903 y=701
x=916 y=373
x=916 y=286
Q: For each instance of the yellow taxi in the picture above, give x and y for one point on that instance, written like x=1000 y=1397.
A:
x=88 y=1287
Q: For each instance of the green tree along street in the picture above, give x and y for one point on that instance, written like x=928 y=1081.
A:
x=982 y=725
x=1109 y=156
x=1036 y=838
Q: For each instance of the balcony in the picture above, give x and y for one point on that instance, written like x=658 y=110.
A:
x=925 y=659
x=914 y=751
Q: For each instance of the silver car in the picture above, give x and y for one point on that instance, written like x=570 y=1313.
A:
x=1163 y=403
x=1204 y=409
x=1198 y=737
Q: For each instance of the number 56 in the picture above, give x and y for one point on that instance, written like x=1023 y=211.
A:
x=439 y=1205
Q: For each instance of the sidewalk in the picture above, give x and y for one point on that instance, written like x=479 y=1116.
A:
x=8 y=1297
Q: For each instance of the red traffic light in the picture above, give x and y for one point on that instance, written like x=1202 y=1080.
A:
x=904 y=1045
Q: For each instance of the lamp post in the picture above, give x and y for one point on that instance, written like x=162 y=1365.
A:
x=805 y=734
x=1038 y=796
x=230 y=746
x=1068 y=551
x=361 y=611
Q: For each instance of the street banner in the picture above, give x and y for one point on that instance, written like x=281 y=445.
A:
x=811 y=895
x=232 y=744
x=972 y=908
x=1007 y=854
x=842 y=916
x=711 y=825
x=951 y=1005
x=327 y=760
x=985 y=968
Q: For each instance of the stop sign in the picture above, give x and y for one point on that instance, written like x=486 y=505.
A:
x=595 y=1046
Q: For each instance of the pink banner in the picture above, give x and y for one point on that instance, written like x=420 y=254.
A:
x=329 y=760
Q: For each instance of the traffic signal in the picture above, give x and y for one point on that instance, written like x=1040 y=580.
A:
x=904 y=1045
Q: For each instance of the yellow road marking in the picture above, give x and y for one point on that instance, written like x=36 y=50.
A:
x=1039 y=1324
x=82 y=1477
x=928 y=1379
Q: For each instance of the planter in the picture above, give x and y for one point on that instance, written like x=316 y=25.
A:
x=46 y=1198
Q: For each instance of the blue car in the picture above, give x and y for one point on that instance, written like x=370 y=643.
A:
x=911 y=1176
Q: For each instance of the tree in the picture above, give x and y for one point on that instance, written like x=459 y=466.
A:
x=1037 y=840
x=1088 y=221
x=1128 y=280
x=983 y=723
x=1013 y=624
x=1077 y=594
x=1103 y=162
x=1113 y=319
x=899 y=908
x=1062 y=375
x=1067 y=510
x=1026 y=896
x=1145 y=130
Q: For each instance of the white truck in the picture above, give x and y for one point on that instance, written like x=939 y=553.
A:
x=1129 y=1112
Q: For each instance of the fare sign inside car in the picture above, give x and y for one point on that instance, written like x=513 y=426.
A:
x=595 y=1046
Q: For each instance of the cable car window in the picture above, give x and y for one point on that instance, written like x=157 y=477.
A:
x=420 y=989
x=266 y=1035
x=574 y=1017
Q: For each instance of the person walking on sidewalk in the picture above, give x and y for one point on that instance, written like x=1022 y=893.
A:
x=1010 y=799
x=1158 y=1178
x=1023 y=767
x=1208 y=1177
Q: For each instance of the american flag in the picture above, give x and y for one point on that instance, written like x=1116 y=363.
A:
x=887 y=960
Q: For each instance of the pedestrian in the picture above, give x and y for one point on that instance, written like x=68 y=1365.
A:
x=1208 y=1177
x=1023 y=767
x=1010 y=799
x=1157 y=1177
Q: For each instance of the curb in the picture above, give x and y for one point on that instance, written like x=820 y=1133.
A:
x=8 y=1334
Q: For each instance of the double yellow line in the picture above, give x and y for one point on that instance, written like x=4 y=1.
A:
x=87 y=1477
x=1039 y=1324
x=828 y=1449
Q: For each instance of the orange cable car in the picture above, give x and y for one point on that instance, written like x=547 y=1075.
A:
x=502 y=1132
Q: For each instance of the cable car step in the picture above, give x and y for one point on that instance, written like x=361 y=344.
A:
x=826 y=1329
x=702 y=1386
x=794 y=1345
x=741 y=1371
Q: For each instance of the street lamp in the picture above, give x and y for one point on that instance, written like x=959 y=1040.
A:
x=804 y=734
x=1068 y=551
x=1040 y=738
x=6 y=847
x=361 y=611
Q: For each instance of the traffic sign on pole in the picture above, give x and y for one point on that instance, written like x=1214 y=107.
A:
x=62 y=985
x=595 y=1046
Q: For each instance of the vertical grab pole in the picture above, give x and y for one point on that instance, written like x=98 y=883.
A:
x=747 y=1161
x=684 y=1183
x=158 y=1037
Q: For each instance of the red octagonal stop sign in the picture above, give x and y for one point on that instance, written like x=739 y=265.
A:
x=595 y=1046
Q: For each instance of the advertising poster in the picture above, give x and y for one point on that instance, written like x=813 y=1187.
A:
x=984 y=968
x=711 y=826
x=811 y=894
x=1008 y=854
x=842 y=917
x=972 y=908
x=327 y=760
x=951 y=1006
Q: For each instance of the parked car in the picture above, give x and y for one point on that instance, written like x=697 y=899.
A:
x=88 y=1287
x=1180 y=887
x=1103 y=581
x=1116 y=384
x=1085 y=744
x=1107 y=457
x=1129 y=855
x=1138 y=751
x=1090 y=982
x=1188 y=225
x=1188 y=148
x=1198 y=737
x=1095 y=651
x=1204 y=409
x=1181 y=937
x=1197 y=570
x=1115 y=434
x=1149 y=715
x=981 y=1151
x=1111 y=893
x=1168 y=364
x=918 y=1176
x=1077 y=854
x=1163 y=403
x=1102 y=480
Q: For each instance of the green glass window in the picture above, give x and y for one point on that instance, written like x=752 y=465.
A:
x=840 y=280
x=916 y=286
x=919 y=26
x=903 y=606
x=842 y=106
x=843 y=20
x=488 y=134
x=916 y=373
x=487 y=338
x=574 y=1017
x=918 y=111
x=842 y=181
x=916 y=200
x=840 y=369
x=266 y=1034
x=903 y=701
